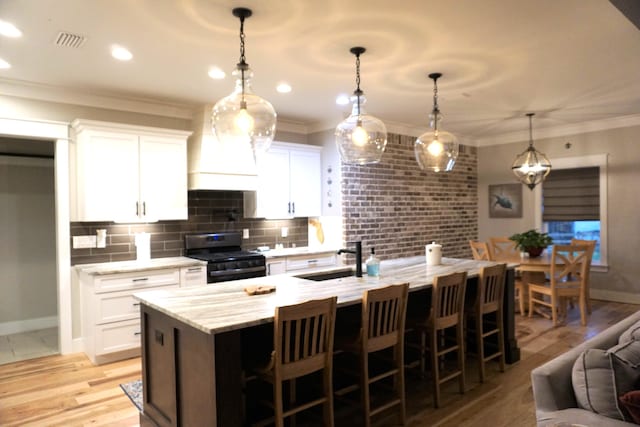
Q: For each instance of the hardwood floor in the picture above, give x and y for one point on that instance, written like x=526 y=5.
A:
x=70 y=391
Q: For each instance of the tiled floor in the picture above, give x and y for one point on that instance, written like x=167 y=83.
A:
x=28 y=345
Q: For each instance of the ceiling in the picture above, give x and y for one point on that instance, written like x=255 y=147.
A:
x=572 y=62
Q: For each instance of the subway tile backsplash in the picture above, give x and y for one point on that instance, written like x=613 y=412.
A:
x=209 y=211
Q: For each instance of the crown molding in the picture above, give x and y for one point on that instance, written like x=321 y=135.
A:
x=64 y=95
x=563 y=130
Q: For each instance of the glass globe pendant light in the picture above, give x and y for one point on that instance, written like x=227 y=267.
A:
x=436 y=149
x=243 y=117
x=361 y=138
x=531 y=166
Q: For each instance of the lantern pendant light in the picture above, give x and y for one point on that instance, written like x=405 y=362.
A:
x=243 y=117
x=361 y=138
x=531 y=166
x=436 y=149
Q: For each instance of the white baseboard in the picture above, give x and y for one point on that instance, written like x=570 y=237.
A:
x=615 y=296
x=27 y=325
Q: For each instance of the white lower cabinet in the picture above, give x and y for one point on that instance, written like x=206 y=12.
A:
x=301 y=263
x=110 y=313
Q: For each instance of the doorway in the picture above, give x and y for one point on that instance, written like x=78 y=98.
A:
x=28 y=297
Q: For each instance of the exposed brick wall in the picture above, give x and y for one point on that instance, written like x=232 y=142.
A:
x=398 y=208
x=208 y=211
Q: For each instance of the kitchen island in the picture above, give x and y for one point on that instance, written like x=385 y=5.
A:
x=192 y=339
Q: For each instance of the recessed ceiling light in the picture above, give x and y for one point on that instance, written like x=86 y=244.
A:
x=342 y=99
x=7 y=29
x=283 y=87
x=216 y=73
x=121 y=53
x=4 y=64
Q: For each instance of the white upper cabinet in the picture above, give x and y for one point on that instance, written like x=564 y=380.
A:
x=127 y=173
x=289 y=183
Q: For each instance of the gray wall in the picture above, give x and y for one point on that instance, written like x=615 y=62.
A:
x=620 y=282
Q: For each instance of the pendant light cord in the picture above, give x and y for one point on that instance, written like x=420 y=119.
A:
x=242 y=65
x=358 y=92
x=530 y=131
x=436 y=109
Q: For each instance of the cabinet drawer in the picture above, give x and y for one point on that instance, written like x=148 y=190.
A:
x=193 y=276
x=117 y=336
x=117 y=306
x=304 y=262
x=137 y=280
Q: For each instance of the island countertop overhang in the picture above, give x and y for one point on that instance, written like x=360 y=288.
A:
x=225 y=306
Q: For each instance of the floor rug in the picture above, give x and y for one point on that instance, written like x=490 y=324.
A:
x=134 y=391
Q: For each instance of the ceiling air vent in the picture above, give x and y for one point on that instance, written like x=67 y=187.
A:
x=66 y=39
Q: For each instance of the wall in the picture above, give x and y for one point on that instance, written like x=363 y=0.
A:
x=208 y=211
x=27 y=244
x=621 y=282
x=398 y=208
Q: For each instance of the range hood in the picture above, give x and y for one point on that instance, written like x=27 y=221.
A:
x=213 y=165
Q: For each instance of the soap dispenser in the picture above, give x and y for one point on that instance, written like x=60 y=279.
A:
x=373 y=264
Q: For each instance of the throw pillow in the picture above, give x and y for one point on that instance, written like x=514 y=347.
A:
x=631 y=402
x=631 y=334
x=598 y=378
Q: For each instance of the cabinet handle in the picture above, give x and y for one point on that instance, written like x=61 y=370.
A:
x=137 y=209
x=289 y=208
x=195 y=269
x=142 y=279
x=137 y=333
x=144 y=208
x=293 y=207
x=135 y=304
x=312 y=261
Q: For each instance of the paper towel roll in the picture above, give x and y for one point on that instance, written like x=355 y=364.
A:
x=433 y=254
x=143 y=246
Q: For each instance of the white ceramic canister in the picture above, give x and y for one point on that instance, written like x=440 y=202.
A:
x=433 y=253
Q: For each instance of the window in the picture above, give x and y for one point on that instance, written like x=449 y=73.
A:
x=572 y=202
x=571 y=205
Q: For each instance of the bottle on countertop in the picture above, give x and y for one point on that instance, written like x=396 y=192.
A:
x=373 y=264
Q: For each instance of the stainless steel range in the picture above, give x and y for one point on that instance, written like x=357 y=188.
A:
x=225 y=258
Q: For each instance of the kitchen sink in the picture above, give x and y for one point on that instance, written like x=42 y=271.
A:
x=326 y=275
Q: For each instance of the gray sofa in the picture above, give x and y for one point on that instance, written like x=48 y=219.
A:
x=553 y=390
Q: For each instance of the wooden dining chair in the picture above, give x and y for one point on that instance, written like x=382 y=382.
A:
x=447 y=311
x=567 y=279
x=592 y=246
x=502 y=248
x=303 y=344
x=382 y=328
x=480 y=250
x=486 y=315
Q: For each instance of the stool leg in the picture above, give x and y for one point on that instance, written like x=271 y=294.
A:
x=480 y=345
x=434 y=368
x=461 y=379
x=277 y=397
x=364 y=388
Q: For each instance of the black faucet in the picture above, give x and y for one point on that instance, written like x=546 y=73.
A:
x=358 y=253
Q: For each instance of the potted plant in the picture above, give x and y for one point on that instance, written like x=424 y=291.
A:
x=533 y=242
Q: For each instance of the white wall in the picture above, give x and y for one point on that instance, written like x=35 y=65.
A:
x=28 y=294
x=622 y=280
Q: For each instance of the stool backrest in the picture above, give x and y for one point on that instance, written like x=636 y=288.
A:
x=480 y=250
x=447 y=300
x=383 y=317
x=303 y=338
x=491 y=288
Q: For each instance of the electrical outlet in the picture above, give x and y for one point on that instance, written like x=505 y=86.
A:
x=245 y=233
x=80 y=242
x=284 y=231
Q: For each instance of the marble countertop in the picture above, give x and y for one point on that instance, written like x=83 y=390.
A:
x=130 y=266
x=305 y=250
x=225 y=306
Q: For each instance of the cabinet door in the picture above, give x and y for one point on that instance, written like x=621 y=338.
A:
x=273 y=184
x=163 y=178
x=107 y=176
x=305 y=182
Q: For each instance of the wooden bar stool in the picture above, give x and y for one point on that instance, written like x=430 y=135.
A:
x=303 y=344
x=488 y=301
x=447 y=311
x=382 y=327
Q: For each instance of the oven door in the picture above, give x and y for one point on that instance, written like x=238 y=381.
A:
x=216 y=276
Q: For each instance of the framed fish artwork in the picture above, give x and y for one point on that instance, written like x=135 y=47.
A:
x=505 y=201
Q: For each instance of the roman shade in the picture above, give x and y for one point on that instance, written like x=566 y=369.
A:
x=571 y=195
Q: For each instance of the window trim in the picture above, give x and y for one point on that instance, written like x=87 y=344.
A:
x=599 y=160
